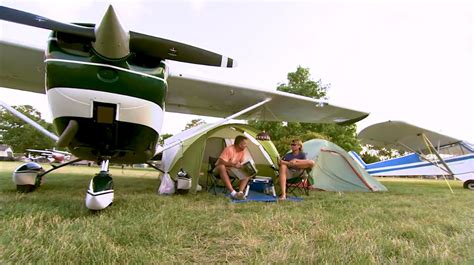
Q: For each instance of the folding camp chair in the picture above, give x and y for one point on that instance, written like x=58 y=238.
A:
x=299 y=183
x=214 y=178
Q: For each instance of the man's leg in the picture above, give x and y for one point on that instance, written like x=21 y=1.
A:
x=283 y=169
x=225 y=177
x=243 y=184
x=303 y=164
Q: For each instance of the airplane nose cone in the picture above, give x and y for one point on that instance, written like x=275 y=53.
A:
x=112 y=41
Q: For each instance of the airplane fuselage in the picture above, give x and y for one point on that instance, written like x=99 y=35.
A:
x=461 y=166
x=118 y=105
x=412 y=165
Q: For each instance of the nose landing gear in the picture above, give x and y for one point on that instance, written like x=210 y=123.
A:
x=100 y=193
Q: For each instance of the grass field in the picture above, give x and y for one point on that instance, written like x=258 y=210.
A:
x=417 y=221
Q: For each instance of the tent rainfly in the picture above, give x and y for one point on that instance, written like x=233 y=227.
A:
x=336 y=170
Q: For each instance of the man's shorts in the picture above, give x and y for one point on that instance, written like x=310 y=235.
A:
x=295 y=173
x=232 y=172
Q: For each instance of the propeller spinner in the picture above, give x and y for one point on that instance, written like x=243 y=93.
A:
x=111 y=41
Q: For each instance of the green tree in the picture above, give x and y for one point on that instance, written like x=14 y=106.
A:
x=373 y=154
x=19 y=135
x=163 y=137
x=283 y=144
x=194 y=123
x=300 y=83
x=369 y=158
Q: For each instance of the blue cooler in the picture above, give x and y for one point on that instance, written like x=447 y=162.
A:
x=263 y=184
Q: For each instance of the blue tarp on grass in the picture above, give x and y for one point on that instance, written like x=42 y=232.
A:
x=262 y=197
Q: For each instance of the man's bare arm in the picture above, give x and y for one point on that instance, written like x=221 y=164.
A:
x=228 y=163
x=301 y=163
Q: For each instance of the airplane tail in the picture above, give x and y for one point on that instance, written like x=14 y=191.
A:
x=358 y=159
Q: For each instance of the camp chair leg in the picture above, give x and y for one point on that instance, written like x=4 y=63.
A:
x=246 y=193
x=213 y=179
x=306 y=187
x=214 y=183
x=292 y=187
x=214 y=186
x=273 y=191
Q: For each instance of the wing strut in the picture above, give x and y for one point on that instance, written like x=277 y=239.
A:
x=432 y=150
x=224 y=120
x=29 y=121
x=431 y=147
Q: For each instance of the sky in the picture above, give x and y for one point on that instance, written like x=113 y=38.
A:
x=399 y=60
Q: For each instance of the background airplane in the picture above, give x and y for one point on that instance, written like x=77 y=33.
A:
x=432 y=153
x=53 y=156
x=108 y=89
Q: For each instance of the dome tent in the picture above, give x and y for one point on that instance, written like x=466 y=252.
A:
x=336 y=170
x=201 y=142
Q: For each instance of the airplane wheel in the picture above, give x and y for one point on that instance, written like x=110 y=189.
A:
x=28 y=177
x=469 y=184
x=25 y=188
x=100 y=194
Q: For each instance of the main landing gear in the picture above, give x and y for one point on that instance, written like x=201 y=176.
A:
x=29 y=176
x=100 y=193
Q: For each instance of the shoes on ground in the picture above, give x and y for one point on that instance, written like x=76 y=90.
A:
x=239 y=196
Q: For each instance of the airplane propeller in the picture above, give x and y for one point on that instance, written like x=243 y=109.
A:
x=142 y=44
x=25 y=18
x=172 y=50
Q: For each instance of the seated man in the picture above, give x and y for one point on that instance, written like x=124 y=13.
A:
x=233 y=157
x=293 y=165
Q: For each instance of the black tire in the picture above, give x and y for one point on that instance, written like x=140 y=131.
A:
x=469 y=184
x=25 y=188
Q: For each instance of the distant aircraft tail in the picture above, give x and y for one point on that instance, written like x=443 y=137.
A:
x=358 y=159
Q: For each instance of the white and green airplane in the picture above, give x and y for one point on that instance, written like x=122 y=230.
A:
x=108 y=89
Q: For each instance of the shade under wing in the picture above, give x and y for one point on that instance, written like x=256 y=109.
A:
x=400 y=135
x=192 y=95
x=21 y=67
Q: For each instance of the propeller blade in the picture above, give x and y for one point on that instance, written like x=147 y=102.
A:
x=25 y=18
x=139 y=43
x=172 y=50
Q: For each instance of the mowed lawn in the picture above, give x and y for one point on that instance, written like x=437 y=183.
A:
x=417 y=221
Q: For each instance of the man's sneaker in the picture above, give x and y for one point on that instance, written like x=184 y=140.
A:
x=239 y=196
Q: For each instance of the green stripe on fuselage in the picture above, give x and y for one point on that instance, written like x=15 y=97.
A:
x=71 y=63
x=104 y=79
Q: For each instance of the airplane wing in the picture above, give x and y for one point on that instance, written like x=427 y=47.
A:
x=21 y=67
x=191 y=95
x=42 y=152
x=60 y=152
x=399 y=135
